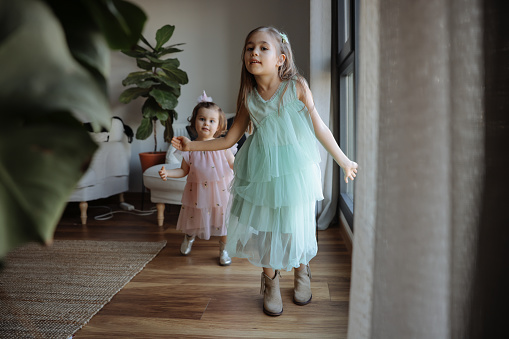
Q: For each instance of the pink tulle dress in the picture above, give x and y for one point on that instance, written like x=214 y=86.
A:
x=205 y=197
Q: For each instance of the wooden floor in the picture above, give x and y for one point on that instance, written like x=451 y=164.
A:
x=176 y=296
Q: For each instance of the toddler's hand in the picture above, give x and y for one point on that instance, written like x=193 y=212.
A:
x=162 y=173
x=350 y=171
x=181 y=143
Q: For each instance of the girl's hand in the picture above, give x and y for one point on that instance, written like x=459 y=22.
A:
x=181 y=143
x=350 y=171
x=163 y=174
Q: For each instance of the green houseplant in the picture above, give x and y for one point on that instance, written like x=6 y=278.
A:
x=55 y=59
x=159 y=81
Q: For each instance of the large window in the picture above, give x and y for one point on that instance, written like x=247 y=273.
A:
x=344 y=31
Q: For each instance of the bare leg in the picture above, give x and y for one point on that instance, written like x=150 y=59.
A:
x=269 y=272
x=301 y=267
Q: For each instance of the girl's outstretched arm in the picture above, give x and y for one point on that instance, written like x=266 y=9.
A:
x=234 y=134
x=324 y=135
x=176 y=172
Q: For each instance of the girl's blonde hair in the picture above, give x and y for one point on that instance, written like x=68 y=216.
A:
x=287 y=71
x=221 y=124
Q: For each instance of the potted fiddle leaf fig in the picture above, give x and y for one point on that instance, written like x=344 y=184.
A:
x=158 y=81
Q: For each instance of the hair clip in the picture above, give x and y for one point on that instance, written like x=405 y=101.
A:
x=204 y=98
x=284 y=38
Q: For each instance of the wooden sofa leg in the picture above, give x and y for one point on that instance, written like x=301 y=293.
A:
x=83 y=209
x=121 y=197
x=160 y=213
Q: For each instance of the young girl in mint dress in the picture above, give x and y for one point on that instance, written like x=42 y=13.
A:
x=277 y=176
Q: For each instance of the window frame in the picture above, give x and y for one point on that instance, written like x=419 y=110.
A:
x=344 y=62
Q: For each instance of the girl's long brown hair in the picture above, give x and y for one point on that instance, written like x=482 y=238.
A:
x=287 y=71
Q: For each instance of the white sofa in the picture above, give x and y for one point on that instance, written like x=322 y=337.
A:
x=169 y=191
x=108 y=173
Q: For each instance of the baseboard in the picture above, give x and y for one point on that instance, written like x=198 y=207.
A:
x=346 y=232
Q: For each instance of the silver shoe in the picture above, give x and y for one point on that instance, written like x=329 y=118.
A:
x=224 y=258
x=185 y=248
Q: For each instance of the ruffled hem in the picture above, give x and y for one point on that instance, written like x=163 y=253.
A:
x=280 y=238
x=202 y=222
x=206 y=194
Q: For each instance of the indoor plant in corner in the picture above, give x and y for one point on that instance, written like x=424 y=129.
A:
x=159 y=82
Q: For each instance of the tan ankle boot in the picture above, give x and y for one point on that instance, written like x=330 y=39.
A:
x=224 y=258
x=272 y=302
x=302 y=286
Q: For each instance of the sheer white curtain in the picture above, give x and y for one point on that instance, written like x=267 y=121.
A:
x=320 y=84
x=420 y=150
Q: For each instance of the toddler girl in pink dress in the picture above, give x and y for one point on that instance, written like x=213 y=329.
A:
x=209 y=173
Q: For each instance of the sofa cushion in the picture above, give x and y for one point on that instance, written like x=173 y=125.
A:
x=169 y=191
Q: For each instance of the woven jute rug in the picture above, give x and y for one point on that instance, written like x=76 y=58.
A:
x=51 y=292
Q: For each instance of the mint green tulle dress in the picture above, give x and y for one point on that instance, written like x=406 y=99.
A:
x=276 y=184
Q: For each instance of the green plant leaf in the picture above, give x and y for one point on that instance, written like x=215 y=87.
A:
x=176 y=74
x=91 y=50
x=136 y=78
x=175 y=91
x=169 y=63
x=150 y=108
x=166 y=99
x=163 y=34
x=148 y=84
x=136 y=52
x=163 y=78
x=145 y=41
x=41 y=161
x=120 y=21
x=145 y=129
x=84 y=38
x=143 y=64
x=170 y=49
x=51 y=79
x=132 y=93
x=166 y=63
x=162 y=115
x=154 y=60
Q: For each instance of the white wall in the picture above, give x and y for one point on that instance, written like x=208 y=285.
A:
x=213 y=33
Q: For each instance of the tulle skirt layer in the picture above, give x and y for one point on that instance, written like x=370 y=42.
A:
x=204 y=209
x=273 y=196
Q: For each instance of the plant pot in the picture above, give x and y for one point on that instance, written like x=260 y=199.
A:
x=149 y=159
